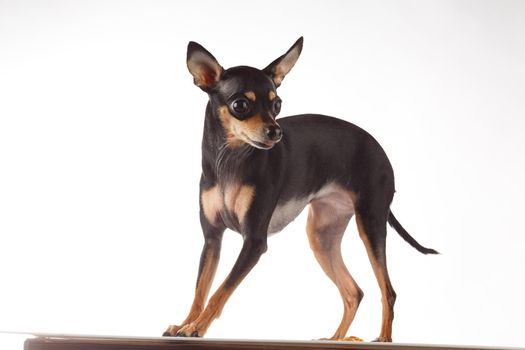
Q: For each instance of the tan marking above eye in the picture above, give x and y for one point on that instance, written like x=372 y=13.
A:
x=271 y=95
x=212 y=203
x=250 y=95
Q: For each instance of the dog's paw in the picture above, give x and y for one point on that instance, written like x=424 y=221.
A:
x=189 y=330
x=351 y=338
x=382 y=340
x=171 y=331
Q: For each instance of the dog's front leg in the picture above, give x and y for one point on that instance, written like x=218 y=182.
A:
x=252 y=249
x=207 y=268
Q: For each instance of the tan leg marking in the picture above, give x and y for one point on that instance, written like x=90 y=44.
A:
x=202 y=291
x=238 y=199
x=383 y=280
x=327 y=221
x=203 y=286
x=212 y=311
x=212 y=203
x=248 y=257
x=250 y=95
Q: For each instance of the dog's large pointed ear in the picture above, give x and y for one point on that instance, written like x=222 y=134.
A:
x=278 y=69
x=203 y=66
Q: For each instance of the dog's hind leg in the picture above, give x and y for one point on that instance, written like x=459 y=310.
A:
x=327 y=220
x=372 y=230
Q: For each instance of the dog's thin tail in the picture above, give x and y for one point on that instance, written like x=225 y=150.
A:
x=407 y=237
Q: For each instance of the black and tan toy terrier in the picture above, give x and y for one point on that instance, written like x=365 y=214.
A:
x=259 y=173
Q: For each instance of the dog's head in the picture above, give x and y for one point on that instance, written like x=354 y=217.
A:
x=246 y=98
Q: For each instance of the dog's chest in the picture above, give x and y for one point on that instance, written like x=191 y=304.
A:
x=228 y=203
x=231 y=203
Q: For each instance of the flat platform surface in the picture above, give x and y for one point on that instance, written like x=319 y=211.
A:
x=77 y=342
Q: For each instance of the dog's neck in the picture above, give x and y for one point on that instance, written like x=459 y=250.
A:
x=221 y=162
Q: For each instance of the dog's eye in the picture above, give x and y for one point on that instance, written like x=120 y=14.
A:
x=276 y=105
x=240 y=106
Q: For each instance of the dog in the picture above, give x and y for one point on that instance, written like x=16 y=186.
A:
x=259 y=173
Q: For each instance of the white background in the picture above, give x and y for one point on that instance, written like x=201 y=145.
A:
x=100 y=132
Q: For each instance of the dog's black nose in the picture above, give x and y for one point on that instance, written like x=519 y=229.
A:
x=274 y=132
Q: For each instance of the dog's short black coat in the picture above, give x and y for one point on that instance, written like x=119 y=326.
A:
x=259 y=172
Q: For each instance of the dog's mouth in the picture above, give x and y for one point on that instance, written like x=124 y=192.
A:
x=263 y=145
x=258 y=144
x=266 y=145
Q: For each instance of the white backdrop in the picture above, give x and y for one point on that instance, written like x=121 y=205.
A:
x=100 y=132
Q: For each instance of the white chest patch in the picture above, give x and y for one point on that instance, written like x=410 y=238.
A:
x=285 y=213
